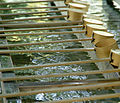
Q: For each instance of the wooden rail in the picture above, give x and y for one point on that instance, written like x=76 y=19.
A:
x=34 y=18
x=48 y=33
x=37 y=1
x=45 y=28
x=41 y=43
x=48 y=7
x=27 y=86
x=70 y=88
x=15 y=14
x=54 y=64
x=59 y=75
x=34 y=25
x=45 y=51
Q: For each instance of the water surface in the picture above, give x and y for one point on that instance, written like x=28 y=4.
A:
x=98 y=7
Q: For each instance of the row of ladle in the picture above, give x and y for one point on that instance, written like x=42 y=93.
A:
x=105 y=44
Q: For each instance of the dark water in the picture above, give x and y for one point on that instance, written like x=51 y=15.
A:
x=111 y=17
x=113 y=21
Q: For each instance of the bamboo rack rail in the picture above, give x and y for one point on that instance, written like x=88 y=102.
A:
x=51 y=11
x=49 y=7
x=42 y=85
x=48 y=33
x=59 y=75
x=41 y=43
x=34 y=25
x=54 y=64
x=37 y=1
x=45 y=28
x=34 y=18
x=67 y=82
x=70 y=88
x=45 y=51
